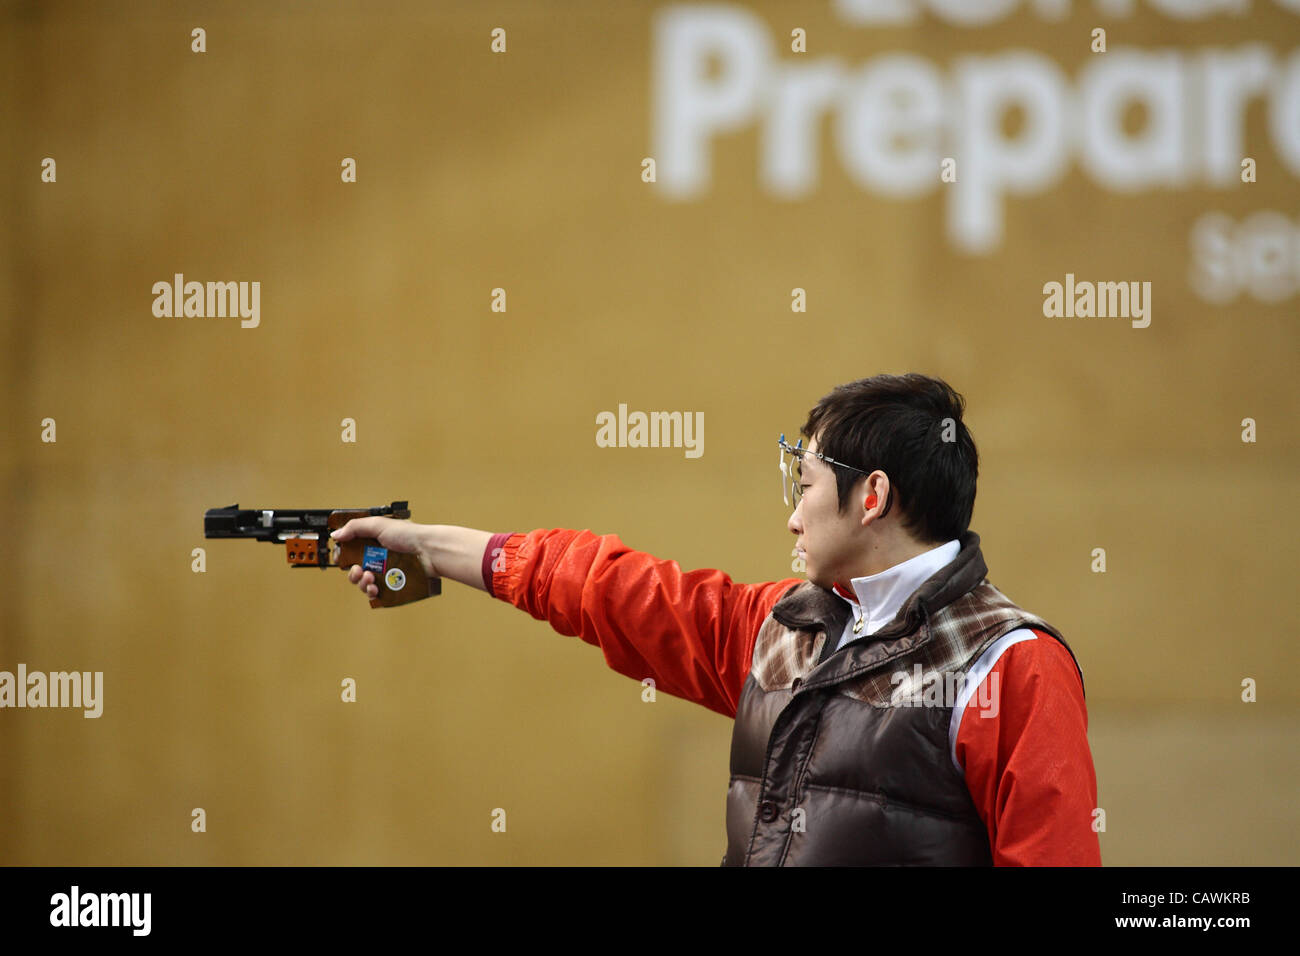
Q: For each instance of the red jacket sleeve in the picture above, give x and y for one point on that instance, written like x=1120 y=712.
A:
x=1027 y=761
x=691 y=631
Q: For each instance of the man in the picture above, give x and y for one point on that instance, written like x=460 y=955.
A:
x=893 y=709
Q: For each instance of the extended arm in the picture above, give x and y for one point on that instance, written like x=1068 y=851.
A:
x=691 y=631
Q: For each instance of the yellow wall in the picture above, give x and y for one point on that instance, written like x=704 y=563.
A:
x=522 y=171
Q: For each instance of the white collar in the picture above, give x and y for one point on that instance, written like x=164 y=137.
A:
x=879 y=596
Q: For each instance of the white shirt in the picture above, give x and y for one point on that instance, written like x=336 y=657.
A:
x=879 y=596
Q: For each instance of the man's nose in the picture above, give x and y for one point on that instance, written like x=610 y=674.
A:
x=794 y=525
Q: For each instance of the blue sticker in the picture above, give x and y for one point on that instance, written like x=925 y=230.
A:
x=374 y=560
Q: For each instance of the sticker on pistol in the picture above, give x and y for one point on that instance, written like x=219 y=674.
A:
x=395 y=579
x=374 y=560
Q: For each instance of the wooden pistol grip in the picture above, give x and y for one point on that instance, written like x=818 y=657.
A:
x=399 y=577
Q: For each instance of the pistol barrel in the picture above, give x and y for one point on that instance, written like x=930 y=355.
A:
x=270 y=524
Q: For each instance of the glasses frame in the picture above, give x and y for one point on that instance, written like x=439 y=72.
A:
x=789 y=486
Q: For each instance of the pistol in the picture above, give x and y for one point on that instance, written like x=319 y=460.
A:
x=305 y=534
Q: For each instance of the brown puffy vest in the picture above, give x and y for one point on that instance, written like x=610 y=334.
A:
x=828 y=768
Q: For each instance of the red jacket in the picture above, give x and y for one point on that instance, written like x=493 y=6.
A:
x=1029 y=768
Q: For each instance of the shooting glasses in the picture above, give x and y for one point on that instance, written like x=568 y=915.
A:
x=791 y=462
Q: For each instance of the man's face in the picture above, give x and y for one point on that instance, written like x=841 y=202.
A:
x=830 y=543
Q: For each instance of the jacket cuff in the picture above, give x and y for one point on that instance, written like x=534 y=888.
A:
x=499 y=562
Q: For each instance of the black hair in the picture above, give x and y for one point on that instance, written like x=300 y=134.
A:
x=910 y=427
